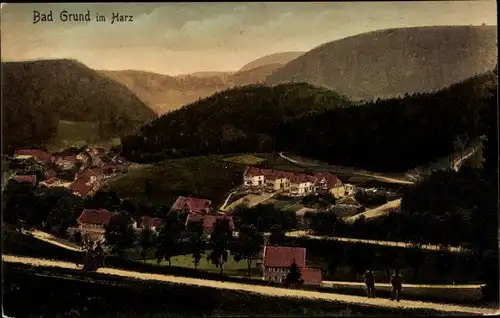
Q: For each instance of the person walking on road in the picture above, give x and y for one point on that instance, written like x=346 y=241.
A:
x=397 y=285
x=370 y=283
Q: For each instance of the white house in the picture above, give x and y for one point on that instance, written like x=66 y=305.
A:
x=253 y=177
x=301 y=184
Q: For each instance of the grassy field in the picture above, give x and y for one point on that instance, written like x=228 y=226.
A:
x=203 y=177
x=72 y=293
x=245 y=159
x=231 y=268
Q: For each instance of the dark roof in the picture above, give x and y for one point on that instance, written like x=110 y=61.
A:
x=97 y=216
x=210 y=219
x=283 y=256
x=28 y=178
x=194 y=205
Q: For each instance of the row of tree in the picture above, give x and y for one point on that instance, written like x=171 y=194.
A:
x=173 y=238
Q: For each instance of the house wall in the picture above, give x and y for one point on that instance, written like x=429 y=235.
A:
x=253 y=181
x=302 y=188
x=338 y=192
x=277 y=274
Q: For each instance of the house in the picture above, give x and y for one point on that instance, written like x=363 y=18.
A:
x=277 y=180
x=193 y=218
x=295 y=184
x=328 y=182
x=192 y=205
x=97 y=155
x=146 y=222
x=253 y=177
x=25 y=178
x=39 y=156
x=82 y=188
x=210 y=219
x=92 y=223
x=55 y=182
x=92 y=175
x=302 y=184
x=278 y=260
x=66 y=162
x=109 y=169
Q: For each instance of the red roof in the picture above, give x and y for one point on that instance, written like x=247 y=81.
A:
x=96 y=172
x=332 y=181
x=29 y=178
x=301 y=178
x=39 y=155
x=150 y=223
x=98 y=216
x=283 y=256
x=253 y=172
x=194 y=205
x=108 y=166
x=312 y=275
x=80 y=187
x=192 y=217
x=210 y=219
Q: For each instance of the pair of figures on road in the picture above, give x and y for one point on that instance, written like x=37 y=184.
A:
x=396 y=282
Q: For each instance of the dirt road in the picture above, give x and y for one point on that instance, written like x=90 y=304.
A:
x=378 y=211
x=264 y=290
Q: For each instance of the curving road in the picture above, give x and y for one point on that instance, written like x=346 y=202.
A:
x=264 y=290
x=362 y=174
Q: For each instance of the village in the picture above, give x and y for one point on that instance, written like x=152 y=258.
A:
x=84 y=171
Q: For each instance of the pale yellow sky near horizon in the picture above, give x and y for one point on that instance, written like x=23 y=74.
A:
x=182 y=38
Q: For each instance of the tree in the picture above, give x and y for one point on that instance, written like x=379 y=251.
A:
x=335 y=256
x=146 y=242
x=414 y=257
x=169 y=238
x=197 y=240
x=248 y=245
x=277 y=236
x=220 y=243
x=119 y=234
x=360 y=257
x=294 y=275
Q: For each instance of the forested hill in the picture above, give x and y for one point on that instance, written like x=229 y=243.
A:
x=395 y=134
x=236 y=120
x=36 y=95
x=389 y=63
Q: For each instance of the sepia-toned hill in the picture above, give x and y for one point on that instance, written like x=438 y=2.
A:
x=393 y=62
x=163 y=93
x=38 y=94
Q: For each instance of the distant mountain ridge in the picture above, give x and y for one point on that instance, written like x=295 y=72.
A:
x=393 y=62
x=163 y=93
x=38 y=94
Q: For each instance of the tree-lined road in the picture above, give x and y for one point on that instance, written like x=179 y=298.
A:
x=264 y=290
x=456 y=249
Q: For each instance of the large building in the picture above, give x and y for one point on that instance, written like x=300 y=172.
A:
x=279 y=259
x=294 y=183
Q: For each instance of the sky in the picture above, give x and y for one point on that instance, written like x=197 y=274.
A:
x=182 y=38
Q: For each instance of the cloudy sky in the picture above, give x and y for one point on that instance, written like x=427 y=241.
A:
x=180 y=38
